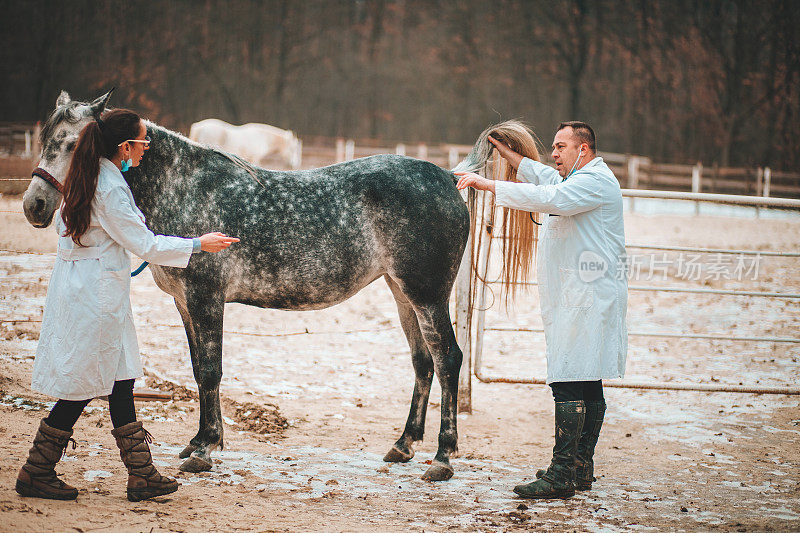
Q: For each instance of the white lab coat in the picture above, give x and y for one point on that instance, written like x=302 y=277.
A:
x=583 y=287
x=88 y=340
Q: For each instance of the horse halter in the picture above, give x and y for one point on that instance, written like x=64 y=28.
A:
x=46 y=176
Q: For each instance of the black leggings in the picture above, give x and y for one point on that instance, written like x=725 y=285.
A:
x=120 y=403
x=573 y=391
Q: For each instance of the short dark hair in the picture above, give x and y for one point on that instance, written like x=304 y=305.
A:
x=583 y=132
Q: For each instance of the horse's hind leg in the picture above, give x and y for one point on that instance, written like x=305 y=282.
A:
x=202 y=316
x=437 y=330
x=423 y=368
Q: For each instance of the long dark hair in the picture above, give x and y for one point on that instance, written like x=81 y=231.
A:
x=99 y=138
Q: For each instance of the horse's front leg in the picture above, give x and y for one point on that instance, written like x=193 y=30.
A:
x=202 y=315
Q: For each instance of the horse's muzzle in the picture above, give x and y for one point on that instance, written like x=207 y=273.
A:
x=39 y=209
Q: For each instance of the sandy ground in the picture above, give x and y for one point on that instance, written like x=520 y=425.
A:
x=665 y=461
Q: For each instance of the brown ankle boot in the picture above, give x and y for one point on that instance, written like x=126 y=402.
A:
x=37 y=477
x=144 y=481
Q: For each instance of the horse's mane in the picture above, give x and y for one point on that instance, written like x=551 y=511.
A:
x=235 y=159
x=519 y=234
x=239 y=162
x=67 y=112
x=64 y=112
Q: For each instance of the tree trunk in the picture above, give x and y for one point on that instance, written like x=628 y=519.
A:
x=283 y=53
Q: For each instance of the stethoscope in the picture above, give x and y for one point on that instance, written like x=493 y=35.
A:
x=571 y=171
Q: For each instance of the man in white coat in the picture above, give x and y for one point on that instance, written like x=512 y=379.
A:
x=583 y=292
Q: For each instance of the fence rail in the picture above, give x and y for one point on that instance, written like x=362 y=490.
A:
x=18 y=139
x=641 y=173
x=19 y=147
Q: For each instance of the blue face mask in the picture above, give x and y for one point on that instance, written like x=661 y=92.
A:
x=125 y=165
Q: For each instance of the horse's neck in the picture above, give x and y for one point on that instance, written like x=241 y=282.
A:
x=162 y=179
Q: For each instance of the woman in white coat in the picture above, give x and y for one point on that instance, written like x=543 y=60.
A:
x=87 y=345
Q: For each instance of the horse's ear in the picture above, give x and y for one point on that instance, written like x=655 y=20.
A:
x=99 y=104
x=63 y=99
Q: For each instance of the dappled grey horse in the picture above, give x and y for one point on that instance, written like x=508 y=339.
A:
x=309 y=239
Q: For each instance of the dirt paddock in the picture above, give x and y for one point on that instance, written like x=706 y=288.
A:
x=313 y=400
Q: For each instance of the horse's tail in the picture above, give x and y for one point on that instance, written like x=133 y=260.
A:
x=519 y=235
x=514 y=133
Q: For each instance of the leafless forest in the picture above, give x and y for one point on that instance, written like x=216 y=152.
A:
x=682 y=81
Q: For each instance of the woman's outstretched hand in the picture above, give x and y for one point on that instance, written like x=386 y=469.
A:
x=216 y=241
x=470 y=179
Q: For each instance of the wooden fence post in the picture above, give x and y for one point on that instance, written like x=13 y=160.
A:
x=464 y=324
x=349 y=150
x=37 y=131
x=697 y=177
x=400 y=149
x=422 y=151
x=759 y=187
x=759 y=181
x=339 y=150
x=714 y=177
x=452 y=157
x=767 y=180
x=633 y=178
x=297 y=156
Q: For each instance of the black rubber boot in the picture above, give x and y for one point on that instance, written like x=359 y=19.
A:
x=584 y=459
x=558 y=481
x=38 y=477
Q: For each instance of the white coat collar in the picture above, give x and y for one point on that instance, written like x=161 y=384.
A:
x=107 y=164
x=112 y=177
x=588 y=166
x=594 y=162
x=111 y=170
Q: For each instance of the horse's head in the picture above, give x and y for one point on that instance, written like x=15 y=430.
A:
x=58 y=138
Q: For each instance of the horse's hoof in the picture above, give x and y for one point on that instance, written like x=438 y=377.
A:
x=196 y=464
x=186 y=452
x=438 y=472
x=397 y=456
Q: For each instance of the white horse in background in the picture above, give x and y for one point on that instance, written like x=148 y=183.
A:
x=260 y=144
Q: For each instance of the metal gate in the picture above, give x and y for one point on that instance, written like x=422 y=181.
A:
x=486 y=223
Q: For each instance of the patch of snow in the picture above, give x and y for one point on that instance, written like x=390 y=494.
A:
x=92 y=475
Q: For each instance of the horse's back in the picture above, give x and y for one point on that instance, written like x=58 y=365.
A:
x=316 y=237
x=416 y=216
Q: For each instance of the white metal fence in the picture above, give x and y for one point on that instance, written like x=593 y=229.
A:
x=463 y=321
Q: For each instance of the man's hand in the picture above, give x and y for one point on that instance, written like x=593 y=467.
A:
x=470 y=179
x=216 y=241
x=513 y=158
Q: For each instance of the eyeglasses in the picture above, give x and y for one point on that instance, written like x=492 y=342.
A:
x=146 y=141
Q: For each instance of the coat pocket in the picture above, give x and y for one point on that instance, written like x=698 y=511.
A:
x=114 y=288
x=574 y=291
